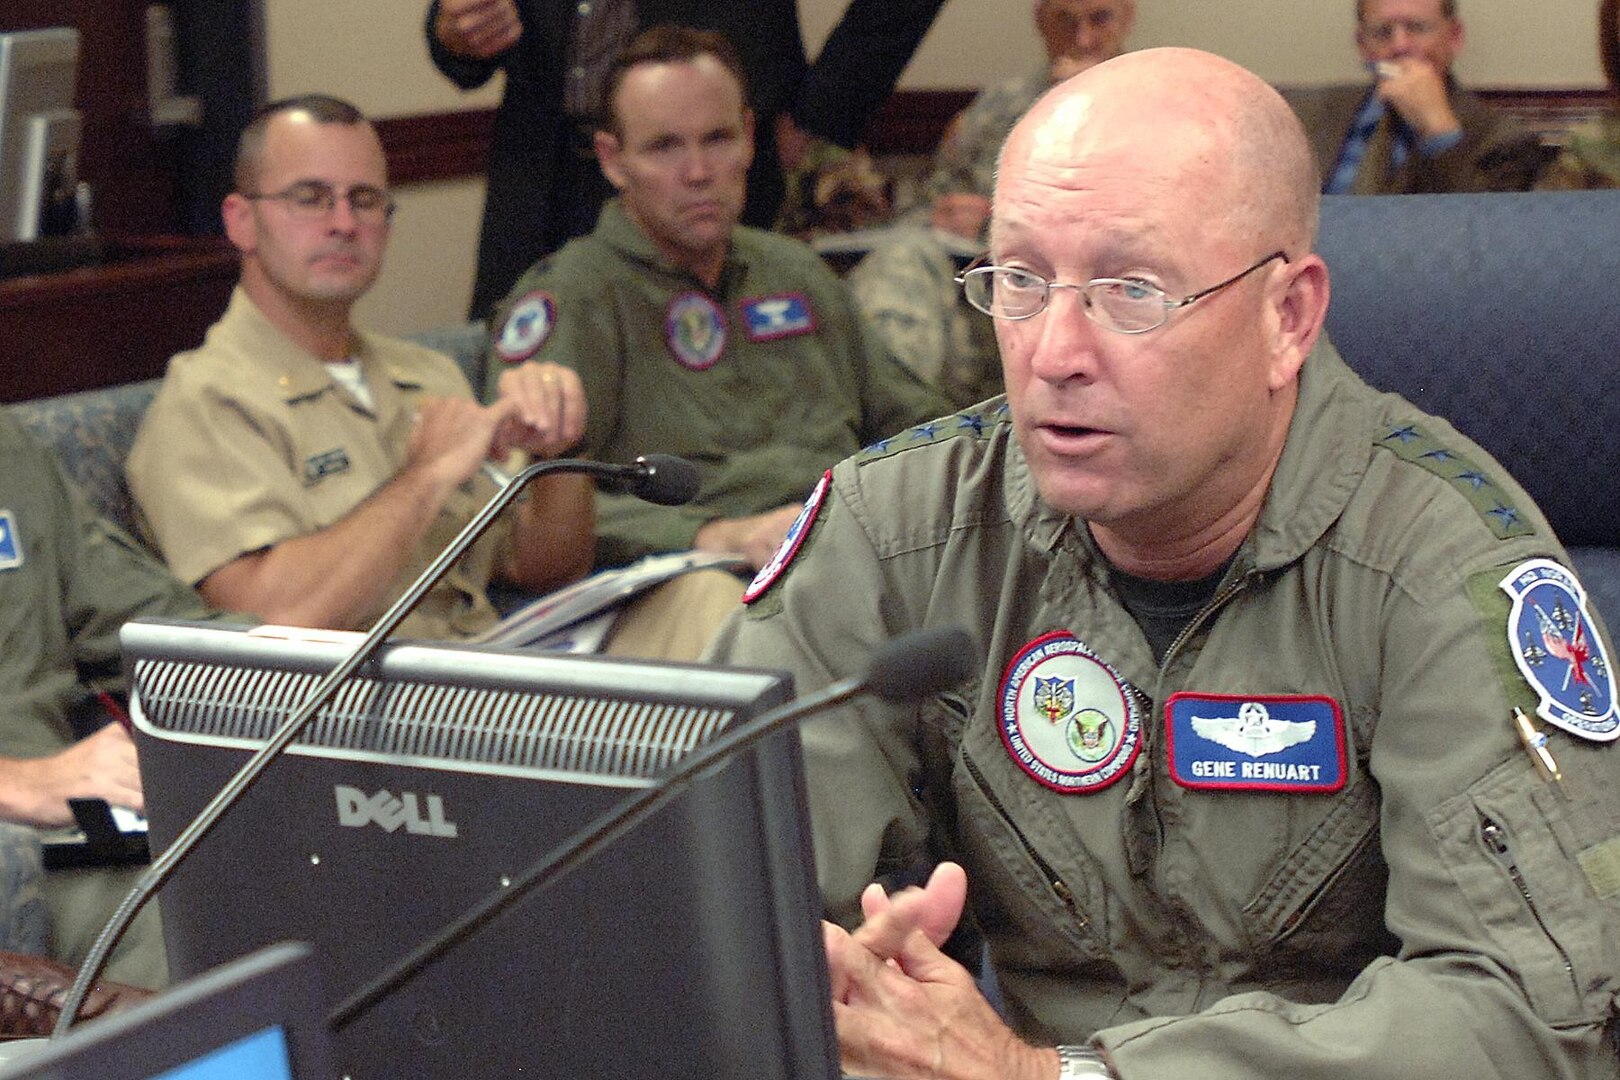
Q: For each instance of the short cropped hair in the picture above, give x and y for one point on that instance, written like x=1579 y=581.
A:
x=1448 y=8
x=667 y=44
x=323 y=108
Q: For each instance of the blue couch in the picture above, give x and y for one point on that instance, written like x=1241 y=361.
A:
x=1500 y=312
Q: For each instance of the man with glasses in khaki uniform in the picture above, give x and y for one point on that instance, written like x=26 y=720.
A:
x=303 y=470
x=1414 y=130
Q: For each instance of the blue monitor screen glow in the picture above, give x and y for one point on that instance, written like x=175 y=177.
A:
x=260 y=1056
x=256 y=1018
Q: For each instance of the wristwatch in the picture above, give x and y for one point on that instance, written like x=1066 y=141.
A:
x=1082 y=1063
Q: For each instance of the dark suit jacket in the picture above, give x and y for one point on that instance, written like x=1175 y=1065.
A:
x=1495 y=153
x=542 y=192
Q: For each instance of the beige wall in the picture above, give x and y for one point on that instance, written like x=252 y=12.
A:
x=371 y=51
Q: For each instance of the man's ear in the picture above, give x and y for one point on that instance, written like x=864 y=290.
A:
x=240 y=227
x=1299 y=311
x=609 y=154
x=748 y=132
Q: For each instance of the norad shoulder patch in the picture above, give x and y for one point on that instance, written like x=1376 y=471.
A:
x=978 y=423
x=1413 y=443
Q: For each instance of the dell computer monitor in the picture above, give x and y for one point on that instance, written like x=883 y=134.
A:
x=39 y=131
x=688 y=948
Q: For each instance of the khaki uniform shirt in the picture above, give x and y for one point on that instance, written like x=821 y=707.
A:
x=68 y=581
x=763 y=382
x=1440 y=911
x=250 y=441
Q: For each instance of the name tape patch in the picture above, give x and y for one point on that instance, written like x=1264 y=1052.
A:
x=772 y=317
x=325 y=464
x=1261 y=742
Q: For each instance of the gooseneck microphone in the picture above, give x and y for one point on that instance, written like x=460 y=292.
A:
x=909 y=668
x=658 y=478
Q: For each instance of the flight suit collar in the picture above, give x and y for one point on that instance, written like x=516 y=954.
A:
x=1326 y=451
x=616 y=229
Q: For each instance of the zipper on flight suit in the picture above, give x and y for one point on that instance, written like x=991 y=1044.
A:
x=1056 y=882
x=1496 y=842
x=1217 y=601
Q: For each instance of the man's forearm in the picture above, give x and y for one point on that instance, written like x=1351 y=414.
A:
x=336 y=578
x=554 y=538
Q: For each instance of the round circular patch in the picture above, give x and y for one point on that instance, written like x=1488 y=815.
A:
x=1067 y=717
x=527 y=327
x=789 y=546
x=696 y=330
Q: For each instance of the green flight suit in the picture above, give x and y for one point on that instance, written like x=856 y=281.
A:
x=764 y=382
x=68 y=581
x=1441 y=911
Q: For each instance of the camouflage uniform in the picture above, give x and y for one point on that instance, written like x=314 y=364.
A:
x=906 y=288
x=22 y=905
x=1590 y=159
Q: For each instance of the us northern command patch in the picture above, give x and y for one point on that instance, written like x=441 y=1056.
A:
x=789 y=547
x=1068 y=718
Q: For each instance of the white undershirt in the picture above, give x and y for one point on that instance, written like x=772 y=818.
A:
x=353 y=379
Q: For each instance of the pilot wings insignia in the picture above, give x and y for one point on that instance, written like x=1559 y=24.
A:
x=1253 y=731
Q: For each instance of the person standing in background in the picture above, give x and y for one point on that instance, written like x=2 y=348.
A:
x=544 y=186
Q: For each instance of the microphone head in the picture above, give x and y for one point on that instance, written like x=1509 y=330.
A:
x=921 y=663
x=664 y=479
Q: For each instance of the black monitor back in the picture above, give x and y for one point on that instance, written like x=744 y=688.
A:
x=691 y=948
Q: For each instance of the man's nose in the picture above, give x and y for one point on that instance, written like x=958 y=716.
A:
x=1066 y=339
x=342 y=218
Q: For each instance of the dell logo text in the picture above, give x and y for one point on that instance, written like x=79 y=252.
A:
x=357 y=809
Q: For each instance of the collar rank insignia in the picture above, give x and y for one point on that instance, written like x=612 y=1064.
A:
x=1068 y=719
x=1558 y=650
x=1291 y=743
x=11 y=553
x=695 y=330
x=527 y=327
x=773 y=317
x=791 y=543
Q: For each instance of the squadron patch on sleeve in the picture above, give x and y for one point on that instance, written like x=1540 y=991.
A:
x=1068 y=718
x=772 y=317
x=11 y=553
x=791 y=543
x=1256 y=742
x=1559 y=652
x=695 y=328
x=527 y=327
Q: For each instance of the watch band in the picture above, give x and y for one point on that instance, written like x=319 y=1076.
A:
x=1082 y=1063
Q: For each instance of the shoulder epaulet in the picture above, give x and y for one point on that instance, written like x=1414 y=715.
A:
x=979 y=422
x=1495 y=506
